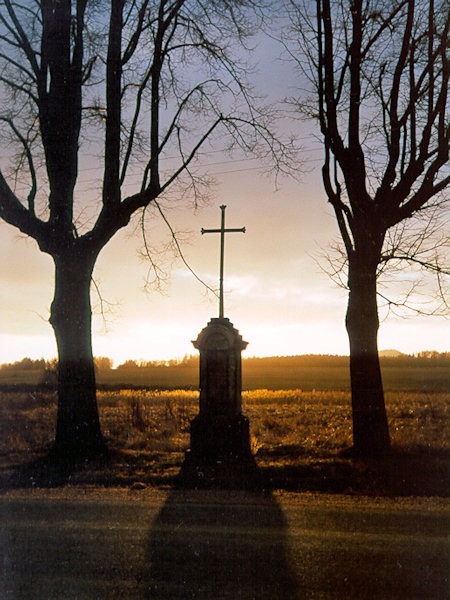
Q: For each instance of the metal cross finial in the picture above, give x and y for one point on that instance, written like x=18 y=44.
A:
x=222 y=232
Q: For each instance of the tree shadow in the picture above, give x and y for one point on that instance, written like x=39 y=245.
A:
x=48 y=471
x=227 y=544
x=398 y=474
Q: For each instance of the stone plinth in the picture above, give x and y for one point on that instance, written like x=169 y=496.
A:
x=220 y=451
x=220 y=346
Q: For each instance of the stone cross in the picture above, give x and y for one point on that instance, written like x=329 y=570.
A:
x=222 y=232
x=220 y=454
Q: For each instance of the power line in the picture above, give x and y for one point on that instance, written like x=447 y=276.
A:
x=82 y=181
x=206 y=166
x=224 y=162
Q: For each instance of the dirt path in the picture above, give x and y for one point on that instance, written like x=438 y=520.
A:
x=83 y=543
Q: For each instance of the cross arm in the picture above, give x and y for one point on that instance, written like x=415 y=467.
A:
x=237 y=230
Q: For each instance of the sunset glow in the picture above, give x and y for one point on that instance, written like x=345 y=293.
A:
x=275 y=292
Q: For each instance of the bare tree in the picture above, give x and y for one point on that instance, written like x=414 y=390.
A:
x=139 y=87
x=380 y=73
x=413 y=277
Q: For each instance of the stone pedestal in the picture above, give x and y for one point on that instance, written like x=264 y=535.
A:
x=220 y=451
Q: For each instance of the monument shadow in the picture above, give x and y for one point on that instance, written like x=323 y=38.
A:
x=218 y=544
x=218 y=536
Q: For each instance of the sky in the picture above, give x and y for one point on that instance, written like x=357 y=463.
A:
x=276 y=294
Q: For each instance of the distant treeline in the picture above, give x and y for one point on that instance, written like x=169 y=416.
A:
x=103 y=363
x=421 y=359
x=131 y=365
x=27 y=364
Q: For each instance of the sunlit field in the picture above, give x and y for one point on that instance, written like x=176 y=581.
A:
x=307 y=423
x=308 y=372
x=150 y=429
x=300 y=423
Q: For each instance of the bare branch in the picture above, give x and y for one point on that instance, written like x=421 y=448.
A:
x=22 y=39
x=180 y=253
x=29 y=156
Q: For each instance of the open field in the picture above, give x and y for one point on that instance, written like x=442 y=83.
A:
x=276 y=377
x=297 y=438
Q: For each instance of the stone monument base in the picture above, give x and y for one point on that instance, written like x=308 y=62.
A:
x=220 y=455
x=220 y=437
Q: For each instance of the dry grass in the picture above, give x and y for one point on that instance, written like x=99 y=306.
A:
x=147 y=420
x=297 y=438
x=318 y=424
x=293 y=423
x=27 y=422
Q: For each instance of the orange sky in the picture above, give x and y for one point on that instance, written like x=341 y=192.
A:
x=276 y=295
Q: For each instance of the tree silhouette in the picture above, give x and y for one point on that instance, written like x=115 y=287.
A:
x=380 y=73
x=139 y=87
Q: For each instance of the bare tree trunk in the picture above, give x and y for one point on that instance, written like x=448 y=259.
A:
x=370 y=427
x=78 y=434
